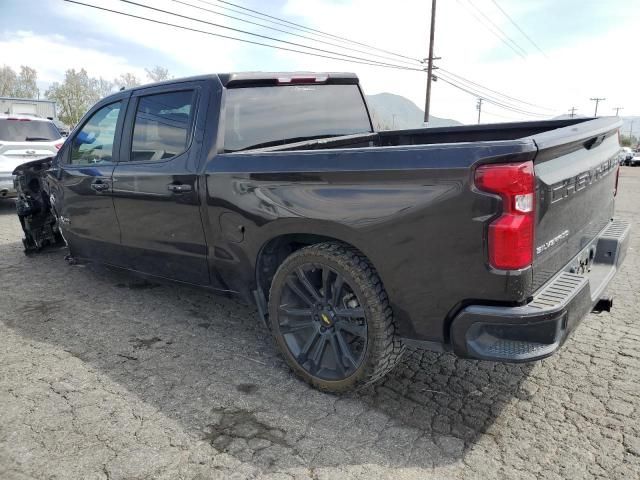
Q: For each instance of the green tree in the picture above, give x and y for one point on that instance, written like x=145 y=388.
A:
x=27 y=86
x=104 y=87
x=157 y=73
x=21 y=85
x=627 y=141
x=8 y=81
x=74 y=95
x=127 y=80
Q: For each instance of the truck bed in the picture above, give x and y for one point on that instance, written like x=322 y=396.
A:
x=429 y=136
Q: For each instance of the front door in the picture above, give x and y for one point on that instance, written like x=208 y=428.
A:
x=87 y=216
x=155 y=185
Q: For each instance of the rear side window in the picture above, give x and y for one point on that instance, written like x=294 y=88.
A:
x=162 y=127
x=25 y=130
x=265 y=116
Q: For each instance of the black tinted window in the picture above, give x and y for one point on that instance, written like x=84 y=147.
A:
x=162 y=125
x=26 y=130
x=94 y=142
x=264 y=116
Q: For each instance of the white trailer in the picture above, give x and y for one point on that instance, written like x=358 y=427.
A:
x=25 y=106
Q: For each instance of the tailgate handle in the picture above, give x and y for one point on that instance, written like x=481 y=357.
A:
x=595 y=141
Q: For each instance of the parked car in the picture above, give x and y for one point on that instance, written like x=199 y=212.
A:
x=634 y=160
x=23 y=138
x=626 y=154
x=62 y=128
x=490 y=241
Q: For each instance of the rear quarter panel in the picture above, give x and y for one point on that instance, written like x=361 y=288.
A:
x=411 y=210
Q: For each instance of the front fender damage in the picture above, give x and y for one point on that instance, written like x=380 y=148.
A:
x=33 y=206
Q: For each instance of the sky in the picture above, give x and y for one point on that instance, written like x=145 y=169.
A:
x=583 y=48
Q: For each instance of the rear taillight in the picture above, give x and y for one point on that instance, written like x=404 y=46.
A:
x=58 y=145
x=511 y=235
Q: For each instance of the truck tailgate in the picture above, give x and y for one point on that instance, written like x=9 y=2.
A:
x=576 y=170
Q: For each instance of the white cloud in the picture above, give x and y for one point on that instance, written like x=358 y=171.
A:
x=51 y=55
x=195 y=52
x=599 y=65
x=595 y=66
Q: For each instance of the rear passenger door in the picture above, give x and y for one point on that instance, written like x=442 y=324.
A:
x=155 y=184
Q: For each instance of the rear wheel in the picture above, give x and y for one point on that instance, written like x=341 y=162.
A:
x=331 y=318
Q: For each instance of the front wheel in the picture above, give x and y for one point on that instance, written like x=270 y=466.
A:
x=331 y=318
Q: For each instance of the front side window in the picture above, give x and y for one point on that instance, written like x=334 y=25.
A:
x=162 y=126
x=94 y=142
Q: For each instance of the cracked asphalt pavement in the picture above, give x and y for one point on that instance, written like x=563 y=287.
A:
x=107 y=376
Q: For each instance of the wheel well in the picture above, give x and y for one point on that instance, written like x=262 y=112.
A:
x=274 y=252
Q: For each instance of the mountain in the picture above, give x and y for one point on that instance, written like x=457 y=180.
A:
x=394 y=112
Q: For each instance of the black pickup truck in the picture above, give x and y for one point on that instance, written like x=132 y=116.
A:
x=491 y=241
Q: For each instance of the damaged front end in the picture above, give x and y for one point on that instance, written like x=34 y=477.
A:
x=36 y=214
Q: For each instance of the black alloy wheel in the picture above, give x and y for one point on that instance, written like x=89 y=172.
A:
x=331 y=319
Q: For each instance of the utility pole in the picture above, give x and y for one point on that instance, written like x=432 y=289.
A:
x=427 y=103
x=631 y=131
x=573 y=112
x=597 y=100
x=617 y=109
x=479 y=108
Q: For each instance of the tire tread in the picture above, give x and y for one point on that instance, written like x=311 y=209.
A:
x=387 y=349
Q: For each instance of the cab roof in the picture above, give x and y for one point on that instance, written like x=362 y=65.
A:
x=259 y=78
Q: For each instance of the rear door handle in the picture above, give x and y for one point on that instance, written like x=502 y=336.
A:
x=179 y=188
x=100 y=186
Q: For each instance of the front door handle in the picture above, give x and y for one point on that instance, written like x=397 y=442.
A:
x=100 y=186
x=179 y=188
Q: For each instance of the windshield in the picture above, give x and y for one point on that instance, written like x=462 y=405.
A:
x=24 y=130
x=263 y=116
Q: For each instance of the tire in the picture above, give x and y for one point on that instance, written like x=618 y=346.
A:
x=337 y=335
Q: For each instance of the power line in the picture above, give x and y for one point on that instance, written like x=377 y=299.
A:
x=492 y=114
x=497 y=27
x=465 y=80
x=359 y=60
x=298 y=25
x=491 y=100
x=518 y=50
x=262 y=25
x=266 y=37
x=518 y=27
x=252 y=42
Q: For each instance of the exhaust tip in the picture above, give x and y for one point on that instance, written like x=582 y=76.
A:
x=604 y=304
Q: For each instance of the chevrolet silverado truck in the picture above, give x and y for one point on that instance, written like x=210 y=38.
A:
x=489 y=241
